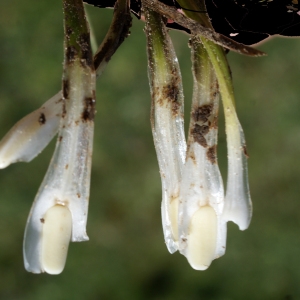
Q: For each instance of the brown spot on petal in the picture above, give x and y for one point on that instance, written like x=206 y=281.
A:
x=42 y=220
x=42 y=119
x=245 y=151
x=198 y=133
x=89 y=109
x=202 y=113
x=211 y=154
x=66 y=88
x=170 y=93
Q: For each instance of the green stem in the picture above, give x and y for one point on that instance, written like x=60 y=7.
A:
x=77 y=35
x=118 y=31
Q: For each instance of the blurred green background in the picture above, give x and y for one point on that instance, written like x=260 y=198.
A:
x=126 y=257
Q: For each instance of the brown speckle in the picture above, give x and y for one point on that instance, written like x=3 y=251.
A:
x=202 y=113
x=71 y=53
x=86 y=55
x=198 y=133
x=66 y=88
x=66 y=166
x=211 y=154
x=69 y=31
x=78 y=195
x=64 y=110
x=245 y=151
x=214 y=89
x=170 y=93
x=89 y=109
x=193 y=158
x=214 y=123
x=60 y=138
x=42 y=220
x=42 y=119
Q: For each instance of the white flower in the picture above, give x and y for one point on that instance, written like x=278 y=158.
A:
x=202 y=231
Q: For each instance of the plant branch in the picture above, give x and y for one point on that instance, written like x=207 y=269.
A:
x=196 y=28
x=118 y=31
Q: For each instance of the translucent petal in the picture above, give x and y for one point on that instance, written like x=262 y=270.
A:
x=166 y=119
x=238 y=205
x=201 y=189
x=27 y=138
x=67 y=180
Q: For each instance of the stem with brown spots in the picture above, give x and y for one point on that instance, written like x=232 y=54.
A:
x=198 y=26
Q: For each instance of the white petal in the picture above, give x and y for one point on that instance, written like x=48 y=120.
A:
x=67 y=180
x=27 y=138
x=238 y=206
x=201 y=184
x=166 y=120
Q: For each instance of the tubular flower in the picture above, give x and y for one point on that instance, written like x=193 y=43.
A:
x=202 y=229
x=194 y=209
x=166 y=120
x=59 y=212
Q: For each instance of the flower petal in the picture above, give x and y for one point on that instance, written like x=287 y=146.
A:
x=27 y=138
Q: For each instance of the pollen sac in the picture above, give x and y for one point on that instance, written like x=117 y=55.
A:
x=27 y=138
x=56 y=235
x=202 y=230
x=166 y=120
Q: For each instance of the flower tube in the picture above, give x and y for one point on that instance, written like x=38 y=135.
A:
x=202 y=231
x=59 y=211
x=238 y=205
x=166 y=120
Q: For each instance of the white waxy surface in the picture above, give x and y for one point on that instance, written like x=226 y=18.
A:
x=56 y=235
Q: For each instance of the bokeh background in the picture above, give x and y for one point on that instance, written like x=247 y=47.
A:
x=126 y=257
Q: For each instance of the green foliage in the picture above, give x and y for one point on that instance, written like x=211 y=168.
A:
x=126 y=257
